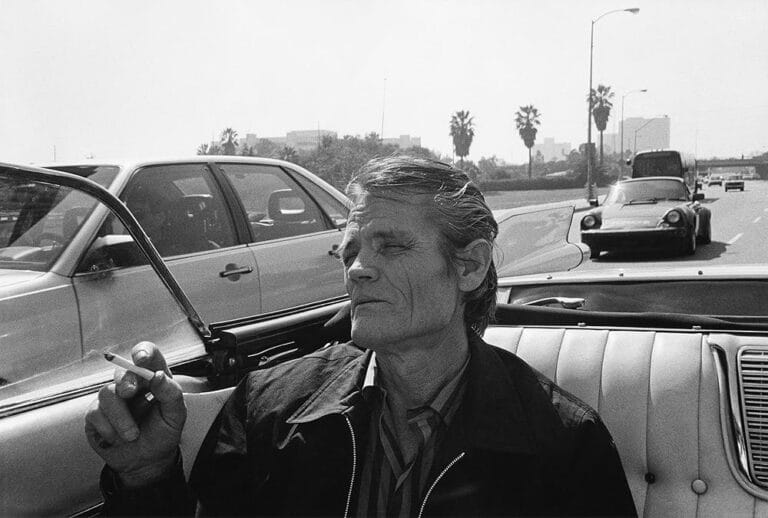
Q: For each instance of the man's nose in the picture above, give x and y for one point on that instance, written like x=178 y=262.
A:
x=363 y=268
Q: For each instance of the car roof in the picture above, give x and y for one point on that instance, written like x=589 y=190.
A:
x=133 y=163
x=649 y=178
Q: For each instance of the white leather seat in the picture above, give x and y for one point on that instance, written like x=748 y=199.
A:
x=657 y=394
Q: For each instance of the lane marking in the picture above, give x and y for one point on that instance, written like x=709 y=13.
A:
x=757 y=219
x=735 y=238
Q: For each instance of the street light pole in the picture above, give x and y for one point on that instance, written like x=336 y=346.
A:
x=590 y=189
x=622 y=121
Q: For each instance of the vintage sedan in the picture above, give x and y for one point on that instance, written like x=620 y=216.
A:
x=645 y=213
x=242 y=235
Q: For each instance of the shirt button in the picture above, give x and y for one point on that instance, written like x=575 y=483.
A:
x=699 y=486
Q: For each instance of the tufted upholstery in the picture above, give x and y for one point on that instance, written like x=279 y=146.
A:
x=657 y=393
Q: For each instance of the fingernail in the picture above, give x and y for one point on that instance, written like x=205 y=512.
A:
x=131 y=434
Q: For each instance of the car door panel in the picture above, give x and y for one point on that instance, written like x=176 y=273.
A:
x=290 y=268
x=143 y=305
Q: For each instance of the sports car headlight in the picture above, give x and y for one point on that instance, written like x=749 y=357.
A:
x=673 y=217
x=589 y=221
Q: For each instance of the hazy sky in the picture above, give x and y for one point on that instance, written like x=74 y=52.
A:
x=148 y=78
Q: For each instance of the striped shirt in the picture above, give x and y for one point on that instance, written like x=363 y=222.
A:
x=391 y=484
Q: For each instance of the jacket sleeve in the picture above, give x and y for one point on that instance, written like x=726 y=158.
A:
x=168 y=497
x=596 y=483
x=224 y=477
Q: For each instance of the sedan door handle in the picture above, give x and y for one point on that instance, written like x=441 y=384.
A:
x=234 y=270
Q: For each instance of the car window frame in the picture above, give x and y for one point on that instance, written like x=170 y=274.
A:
x=237 y=201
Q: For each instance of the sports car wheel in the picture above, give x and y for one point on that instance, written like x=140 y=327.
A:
x=689 y=248
x=706 y=235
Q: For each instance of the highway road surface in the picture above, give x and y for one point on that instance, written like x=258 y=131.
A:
x=739 y=233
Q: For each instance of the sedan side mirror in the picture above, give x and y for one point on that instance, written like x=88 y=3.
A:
x=698 y=196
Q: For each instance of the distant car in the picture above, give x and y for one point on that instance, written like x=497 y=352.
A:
x=647 y=213
x=734 y=183
x=714 y=180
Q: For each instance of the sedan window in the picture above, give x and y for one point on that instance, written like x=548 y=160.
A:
x=277 y=207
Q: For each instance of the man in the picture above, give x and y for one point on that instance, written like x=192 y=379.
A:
x=416 y=417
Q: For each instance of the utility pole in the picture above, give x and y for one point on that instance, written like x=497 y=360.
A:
x=383 y=106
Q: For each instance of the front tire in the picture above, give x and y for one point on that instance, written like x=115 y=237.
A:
x=706 y=236
x=689 y=248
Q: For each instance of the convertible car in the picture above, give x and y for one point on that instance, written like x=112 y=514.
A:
x=47 y=467
x=645 y=213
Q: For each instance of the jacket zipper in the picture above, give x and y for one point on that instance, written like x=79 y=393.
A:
x=445 y=470
x=354 y=466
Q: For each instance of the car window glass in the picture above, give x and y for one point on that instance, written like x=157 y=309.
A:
x=523 y=235
x=179 y=206
x=334 y=209
x=276 y=206
x=37 y=222
x=45 y=355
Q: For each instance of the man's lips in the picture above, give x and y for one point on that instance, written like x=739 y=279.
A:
x=363 y=302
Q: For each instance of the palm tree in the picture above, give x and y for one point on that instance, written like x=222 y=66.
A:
x=600 y=100
x=462 y=132
x=229 y=141
x=288 y=153
x=526 y=120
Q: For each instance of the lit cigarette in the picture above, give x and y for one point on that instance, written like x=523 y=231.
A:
x=130 y=366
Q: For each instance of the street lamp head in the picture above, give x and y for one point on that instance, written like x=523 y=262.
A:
x=633 y=10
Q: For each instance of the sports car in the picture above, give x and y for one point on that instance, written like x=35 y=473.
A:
x=646 y=213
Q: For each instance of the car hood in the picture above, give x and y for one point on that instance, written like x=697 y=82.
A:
x=657 y=209
x=11 y=278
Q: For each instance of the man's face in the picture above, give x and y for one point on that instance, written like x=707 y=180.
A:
x=403 y=290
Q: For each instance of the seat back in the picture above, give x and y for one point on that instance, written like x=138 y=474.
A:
x=657 y=393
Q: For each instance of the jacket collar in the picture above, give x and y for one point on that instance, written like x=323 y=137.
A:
x=335 y=396
x=490 y=418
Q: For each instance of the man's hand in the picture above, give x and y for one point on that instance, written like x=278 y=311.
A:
x=140 y=446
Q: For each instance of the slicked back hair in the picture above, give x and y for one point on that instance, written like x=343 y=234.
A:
x=458 y=209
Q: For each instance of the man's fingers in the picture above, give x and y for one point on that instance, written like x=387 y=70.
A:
x=127 y=383
x=147 y=355
x=171 y=399
x=115 y=410
x=99 y=431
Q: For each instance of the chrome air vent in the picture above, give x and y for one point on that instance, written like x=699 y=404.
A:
x=753 y=376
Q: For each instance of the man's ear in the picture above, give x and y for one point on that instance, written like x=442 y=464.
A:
x=472 y=263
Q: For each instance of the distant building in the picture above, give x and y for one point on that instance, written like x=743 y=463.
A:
x=640 y=133
x=552 y=150
x=403 y=141
x=300 y=140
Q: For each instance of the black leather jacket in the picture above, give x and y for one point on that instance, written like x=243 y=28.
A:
x=289 y=442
